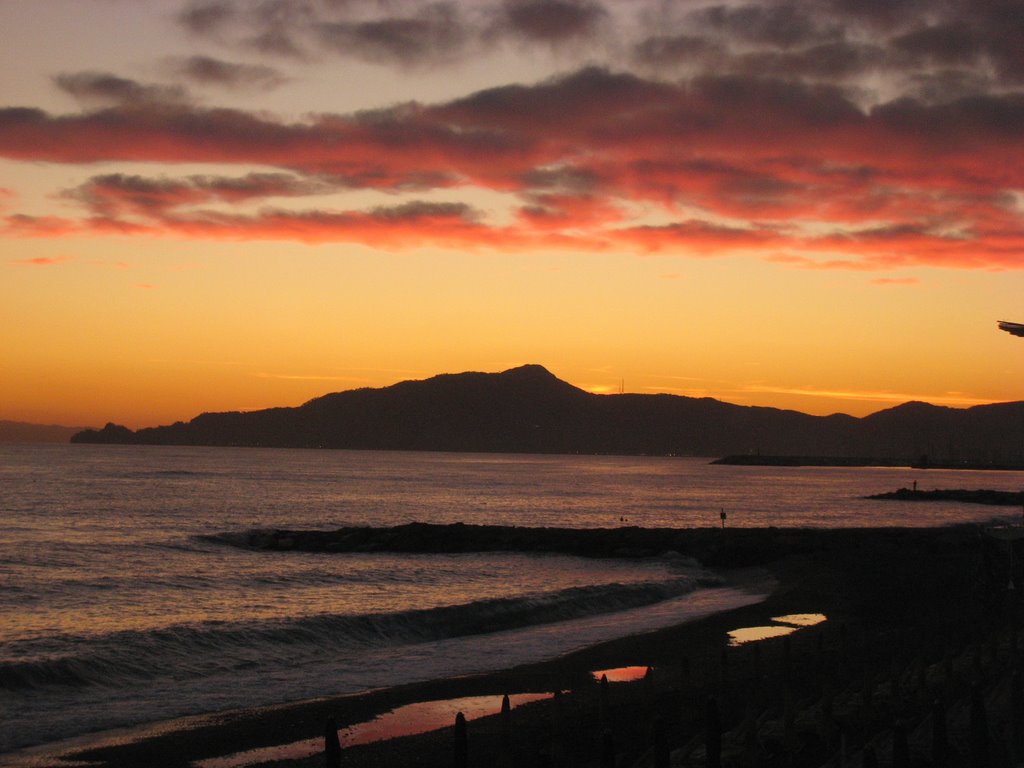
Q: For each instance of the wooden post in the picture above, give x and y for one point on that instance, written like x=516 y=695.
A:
x=506 y=731
x=1016 y=719
x=900 y=749
x=713 y=734
x=607 y=749
x=756 y=651
x=557 y=728
x=661 y=750
x=749 y=732
x=684 y=673
x=980 y=751
x=789 y=724
x=723 y=671
x=461 y=742
x=332 y=744
x=940 y=741
x=603 y=705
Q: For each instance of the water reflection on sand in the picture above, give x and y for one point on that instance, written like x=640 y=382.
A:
x=784 y=625
x=409 y=720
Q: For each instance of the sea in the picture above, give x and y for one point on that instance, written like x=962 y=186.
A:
x=118 y=610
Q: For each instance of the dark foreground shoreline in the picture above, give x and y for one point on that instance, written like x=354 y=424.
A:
x=959 y=495
x=747 y=460
x=912 y=614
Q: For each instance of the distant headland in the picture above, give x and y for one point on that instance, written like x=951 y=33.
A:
x=529 y=410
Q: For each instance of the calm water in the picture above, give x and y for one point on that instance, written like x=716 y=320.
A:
x=114 y=613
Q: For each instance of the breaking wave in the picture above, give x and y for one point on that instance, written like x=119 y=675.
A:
x=209 y=648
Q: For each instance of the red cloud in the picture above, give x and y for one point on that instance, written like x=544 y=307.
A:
x=738 y=163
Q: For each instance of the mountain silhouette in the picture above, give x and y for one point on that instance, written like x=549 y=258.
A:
x=529 y=410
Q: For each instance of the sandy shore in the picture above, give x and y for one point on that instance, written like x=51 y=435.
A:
x=911 y=614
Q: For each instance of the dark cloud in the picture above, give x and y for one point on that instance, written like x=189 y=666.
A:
x=550 y=21
x=945 y=85
x=662 y=50
x=573 y=101
x=419 y=209
x=829 y=61
x=210 y=71
x=841 y=40
x=970 y=122
x=946 y=44
x=434 y=34
x=791 y=102
x=116 y=194
x=885 y=14
x=105 y=88
x=208 y=18
x=923 y=180
x=781 y=25
x=565 y=178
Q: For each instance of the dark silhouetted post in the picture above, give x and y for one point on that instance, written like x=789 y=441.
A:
x=749 y=733
x=900 y=750
x=332 y=744
x=940 y=741
x=979 y=731
x=557 y=728
x=461 y=742
x=789 y=723
x=1016 y=718
x=661 y=751
x=787 y=657
x=506 y=730
x=713 y=734
x=607 y=749
x=756 y=651
x=603 y=704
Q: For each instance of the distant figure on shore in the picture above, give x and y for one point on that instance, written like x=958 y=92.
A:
x=1016 y=329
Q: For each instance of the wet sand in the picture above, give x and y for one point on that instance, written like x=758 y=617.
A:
x=897 y=601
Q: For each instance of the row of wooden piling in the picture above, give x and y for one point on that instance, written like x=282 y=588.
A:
x=825 y=697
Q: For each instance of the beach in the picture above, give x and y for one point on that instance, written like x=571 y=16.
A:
x=895 y=602
x=172 y=606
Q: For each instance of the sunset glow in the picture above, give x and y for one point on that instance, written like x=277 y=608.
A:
x=235 y=204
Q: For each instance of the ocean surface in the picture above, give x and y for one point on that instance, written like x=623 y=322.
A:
x=114 y=612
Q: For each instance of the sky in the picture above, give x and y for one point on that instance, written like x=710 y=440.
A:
x=211 y=205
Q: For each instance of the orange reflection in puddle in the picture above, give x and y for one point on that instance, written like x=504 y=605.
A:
x=425 y=716
x=419 y=717
x=801 y=619
x=784 y=625
x=621 y=674
x=753 y=634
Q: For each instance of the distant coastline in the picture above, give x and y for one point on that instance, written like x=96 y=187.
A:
x=979 y=496
x=529 y=410
x=843 y=461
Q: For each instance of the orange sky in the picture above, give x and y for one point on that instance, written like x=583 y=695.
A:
x=235 y=204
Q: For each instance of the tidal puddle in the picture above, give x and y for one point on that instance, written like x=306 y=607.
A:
x=784 y=625
x=409 y=720
x=753 y=634
x=801 y=619
x=621 y=674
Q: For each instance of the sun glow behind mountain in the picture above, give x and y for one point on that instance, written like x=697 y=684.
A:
x=223 y=205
